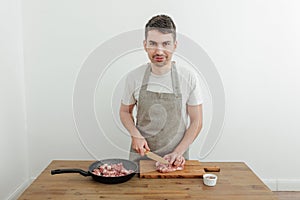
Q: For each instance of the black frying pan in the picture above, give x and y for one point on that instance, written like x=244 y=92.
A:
x=129 y=165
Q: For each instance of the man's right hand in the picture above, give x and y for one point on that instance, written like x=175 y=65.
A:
x=139 y=144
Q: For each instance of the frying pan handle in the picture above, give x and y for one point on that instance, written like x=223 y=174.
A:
x=61 y=171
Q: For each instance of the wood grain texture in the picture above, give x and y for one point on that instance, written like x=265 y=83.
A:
x=291 y=195
x=235 y=182
x=192 y=169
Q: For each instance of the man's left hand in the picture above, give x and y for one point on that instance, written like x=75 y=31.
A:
x=175 y=159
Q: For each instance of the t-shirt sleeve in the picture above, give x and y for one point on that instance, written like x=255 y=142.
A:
x=128 y=94
x=196 y=94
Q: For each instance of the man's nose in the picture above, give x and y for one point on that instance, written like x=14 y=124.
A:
x=159 y=49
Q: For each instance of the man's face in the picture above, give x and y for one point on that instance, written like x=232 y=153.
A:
x=159 y=47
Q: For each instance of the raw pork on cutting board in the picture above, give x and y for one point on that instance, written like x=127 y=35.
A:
x=192 y=169
x=166 y=168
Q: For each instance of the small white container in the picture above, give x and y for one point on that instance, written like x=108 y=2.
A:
x=210 y=179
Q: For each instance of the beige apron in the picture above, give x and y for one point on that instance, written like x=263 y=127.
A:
x=159 y=117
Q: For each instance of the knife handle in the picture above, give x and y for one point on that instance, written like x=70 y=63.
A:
x=146 y=151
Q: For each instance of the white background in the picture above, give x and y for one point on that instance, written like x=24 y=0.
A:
x=255 y=46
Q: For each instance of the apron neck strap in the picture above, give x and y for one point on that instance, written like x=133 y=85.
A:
x=146 y=78
x=175 y=80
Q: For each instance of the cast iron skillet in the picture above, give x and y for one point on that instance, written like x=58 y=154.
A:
x=129 y=165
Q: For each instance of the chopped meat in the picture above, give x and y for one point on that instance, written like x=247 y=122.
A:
x=112 y=170
x=165 y=168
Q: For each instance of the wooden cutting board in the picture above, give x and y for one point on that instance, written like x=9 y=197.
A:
x=192 y=169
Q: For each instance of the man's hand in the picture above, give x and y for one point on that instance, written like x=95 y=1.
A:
x=175 y=159
x=139 y=144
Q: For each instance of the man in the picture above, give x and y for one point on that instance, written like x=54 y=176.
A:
x=165 y=95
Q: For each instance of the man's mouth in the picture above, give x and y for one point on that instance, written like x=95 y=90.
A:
x=159 y=58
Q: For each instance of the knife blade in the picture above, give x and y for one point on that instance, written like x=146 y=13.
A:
x=156 y=157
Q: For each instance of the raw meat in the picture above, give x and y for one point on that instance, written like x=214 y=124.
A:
x=112 y=170
x=165 y=168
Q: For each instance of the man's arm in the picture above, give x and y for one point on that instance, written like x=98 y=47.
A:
x=195 y=114
x=138 y=141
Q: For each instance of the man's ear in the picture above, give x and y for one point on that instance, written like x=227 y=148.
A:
x=175 y=44
x=145 y=45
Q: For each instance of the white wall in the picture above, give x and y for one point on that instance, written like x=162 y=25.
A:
x=13 y=139
x=253 y=44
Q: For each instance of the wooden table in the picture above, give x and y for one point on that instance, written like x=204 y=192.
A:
x=235 y=181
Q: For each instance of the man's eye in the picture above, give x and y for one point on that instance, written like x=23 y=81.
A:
x=151 y=43
x=167 y=43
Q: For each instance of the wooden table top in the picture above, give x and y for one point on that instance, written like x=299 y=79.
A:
x=235 y=181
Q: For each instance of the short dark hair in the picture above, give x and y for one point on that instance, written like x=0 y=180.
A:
x=161 y=23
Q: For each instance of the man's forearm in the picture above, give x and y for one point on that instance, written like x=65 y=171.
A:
x=128 y=122
x=189 y=136
x=195 y=114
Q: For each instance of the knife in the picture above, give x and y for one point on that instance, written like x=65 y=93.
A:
x=155 y=157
